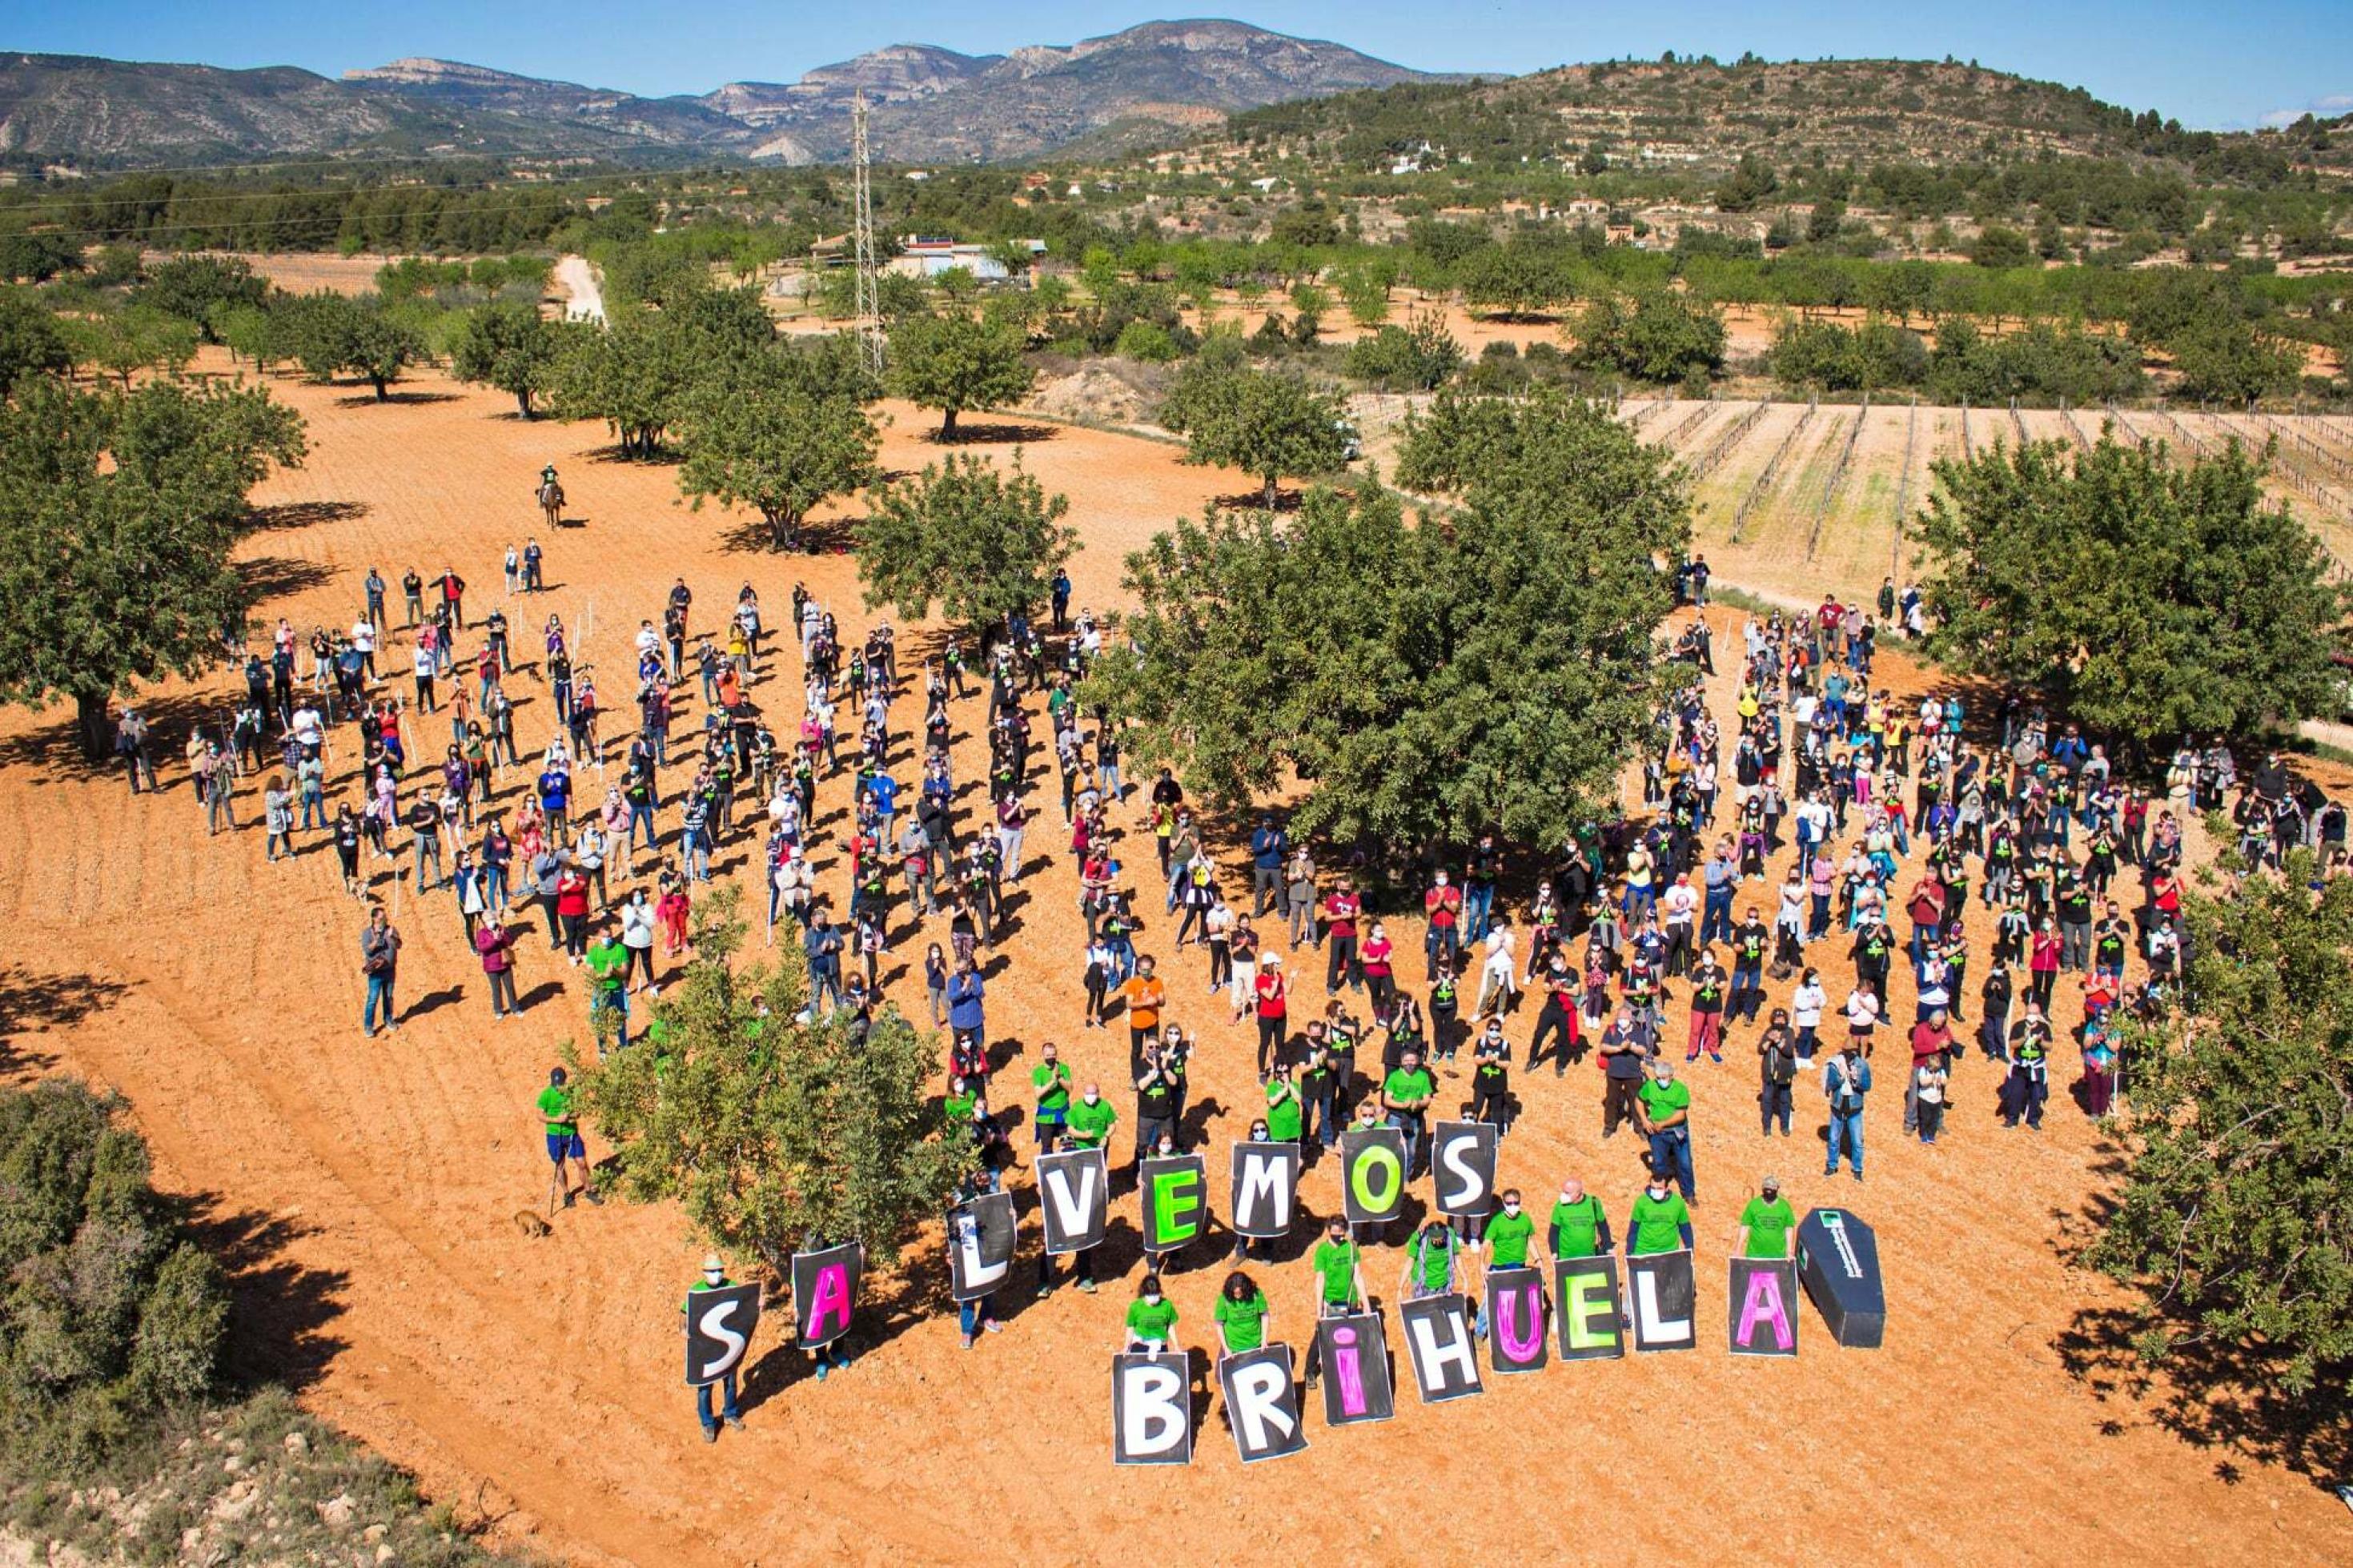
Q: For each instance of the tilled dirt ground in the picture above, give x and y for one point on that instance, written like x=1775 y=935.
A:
x=370 y=1188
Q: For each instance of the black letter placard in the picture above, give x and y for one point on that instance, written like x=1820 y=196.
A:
x=1355 y=1359
x=1176 y=1193
x=1262 y=1403
x=1515 y=1319
x=1662 y=1286
x=1372 y=1173
x=718 y=1325
x=1763 y=1311
x=1462 y=1166
x=980 y=1244
x=1074 y=1199
x=1265 y=1177
x=1437 y=1332
x=1591 y=1315
x=825 y=1293
x=1151 y=1410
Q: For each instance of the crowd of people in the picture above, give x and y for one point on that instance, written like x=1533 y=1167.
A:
x=1810 y=868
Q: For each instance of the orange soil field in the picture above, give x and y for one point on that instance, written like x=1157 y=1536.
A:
x=368 y=1187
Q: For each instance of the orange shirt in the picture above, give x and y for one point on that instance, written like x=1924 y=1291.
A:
x=1145 y=997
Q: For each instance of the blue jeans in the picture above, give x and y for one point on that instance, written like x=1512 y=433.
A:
x=1715 y=919
x=824 y=984
x=1670 y=1155
x=1410 y=1126
x=642 y=816
x=1845 y=1130
x=971 y=1315
x=313 y=804
x=726 y=1386
x=1478 y=903
x=379 y=992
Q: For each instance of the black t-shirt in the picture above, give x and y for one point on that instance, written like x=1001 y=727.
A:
x=1156 y=1098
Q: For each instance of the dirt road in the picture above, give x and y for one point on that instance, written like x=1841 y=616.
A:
x=371 y=1185
x=583 y=299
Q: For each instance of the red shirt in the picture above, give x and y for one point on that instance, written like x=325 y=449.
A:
x=1442 y=904
x=1271 y=993
x=571 y=894
x=1928 y=1042
x=1341 y=909
x=1376 y=955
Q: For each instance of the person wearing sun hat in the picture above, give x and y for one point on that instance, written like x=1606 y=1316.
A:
x=714 y=1278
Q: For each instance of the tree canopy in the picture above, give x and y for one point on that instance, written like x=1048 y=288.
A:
x=508 y=344
x=2237 y=1203
x=2152 y=600
x=1264 y=422
x=769 y=1127
x=770 y=437
x=118 y=512
x=979 y=541
x=1416 y=682
x=954 y=362
x=1659 y=335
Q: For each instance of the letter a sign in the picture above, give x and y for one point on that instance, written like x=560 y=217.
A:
x=1151 y=1410
x=718 y=1325
x=825 y=1293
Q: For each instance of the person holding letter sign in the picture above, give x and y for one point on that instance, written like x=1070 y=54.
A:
x=714 y=1278
x=1338 y=1262
x=1151 y=1320
x=1242 y=1314
x=1579 y=1228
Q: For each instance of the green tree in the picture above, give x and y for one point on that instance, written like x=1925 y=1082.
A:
x=1660 y=335
x=31 y=342
x=953 y=362
x=132 y=340
x=193 y=287
x=110 y=1312
x=2151 y=601
x=1455 y=439
x=768 y=442
x=2237 y=1198
x=333 y=334
x=118 y=513
x=510 y=345
x=1421 y=355
x=2224 y=360
x=979 y=541
x=633 y=375
x=1416 y=683
x=766 y=1128
x=2002 y=247
x=1264 y=422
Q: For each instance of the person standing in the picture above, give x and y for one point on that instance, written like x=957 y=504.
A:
x=1090 y=1122
x=1406 y=1095
x=1577 y=1227
x=1052 y=1080
x=562 y=1123
x=1661 y=1221
x=1622 y=1051
x=1242 y=1314
x=1766 y=1222
x=1932 y=1043
x=1510 y=1231
x=1145 y=994
x=494 y=940
x=1664 y=1114
x=1338 y=1261
x=2029 y=1083
x=1846 y=1081
x=608 y=987
x=1155 y=1104
x=714 y=1278
x=1270 y=846
x=1777 y=1073
x=1151 y=1320
x=380 y=962
x=1273 y=988
x=1341 y=910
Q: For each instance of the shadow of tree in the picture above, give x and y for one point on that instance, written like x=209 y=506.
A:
x=1255 y=501
x=36 y=1002
x=279 y=1309
x=269 y=577
x=989 y=432
x=303 y=514
x=56 y=747
x=816 y=536
x=391 y=399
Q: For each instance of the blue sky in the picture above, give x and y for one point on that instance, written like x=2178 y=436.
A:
x=2210 y=65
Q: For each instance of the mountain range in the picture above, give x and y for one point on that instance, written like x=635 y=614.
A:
x=927 y=105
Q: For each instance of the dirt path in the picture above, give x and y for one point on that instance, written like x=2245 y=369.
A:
x=535 y=1382
x=584 y=300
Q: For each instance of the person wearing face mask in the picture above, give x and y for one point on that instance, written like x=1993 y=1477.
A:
x=1088 y=1126
x=1577 y=1228
x=1243 y=1313
x=1261 y=1247
x=714 y=1278
x=1766 y=1222
x=1846 y=1081
x=1152 y=1322
x=1338 y=1262
x=1442 y=905
x=1509 y=1233
x=637 y=941
x=1661 y=1221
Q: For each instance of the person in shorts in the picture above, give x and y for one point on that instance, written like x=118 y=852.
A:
x=564 y=1143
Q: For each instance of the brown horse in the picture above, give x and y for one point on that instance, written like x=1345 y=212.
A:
x=551 y=503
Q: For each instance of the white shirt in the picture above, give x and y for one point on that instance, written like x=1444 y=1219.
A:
x=1862 y=1009
x=364 y=634
x=1806 y=1007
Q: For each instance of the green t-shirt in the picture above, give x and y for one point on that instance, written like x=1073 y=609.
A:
x=1577 y=1227
x=1403 y=1086
x=1336 y=1261
x=1658 y=1222
x=1508 y=1235
x=1054 y=1086
x=959 y=1107
x=1151 y=1320
x=608 y=961
x=1662 y=1100
x=1090 y=1124
x=555 y=1105
x=1433 y=1262
x=1769 y=1225
x=1283 y=1120
x=1244 y=1322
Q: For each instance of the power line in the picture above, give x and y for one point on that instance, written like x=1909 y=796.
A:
x=178 y=199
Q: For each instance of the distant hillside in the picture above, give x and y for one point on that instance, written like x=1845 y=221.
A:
x=930 y=105
x=1704 y=117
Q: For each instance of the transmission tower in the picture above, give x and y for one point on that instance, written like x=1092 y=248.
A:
x=870 y=299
